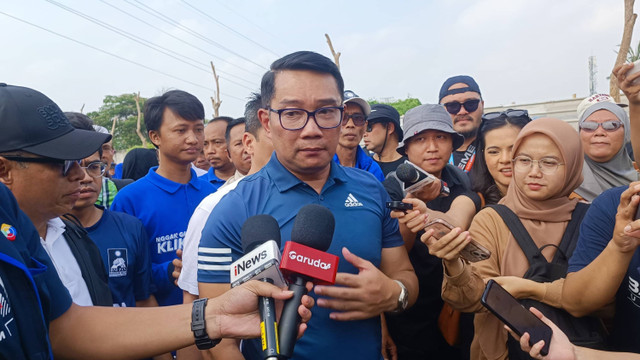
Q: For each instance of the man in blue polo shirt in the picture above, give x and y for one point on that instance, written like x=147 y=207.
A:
x=215 y=150
x=302 y=113
x=167 y=196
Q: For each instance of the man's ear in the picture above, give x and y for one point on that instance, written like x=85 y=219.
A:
x=247 y=142
x=391 y=127
x=6 y=171
x=263 y=115
x=154 y=136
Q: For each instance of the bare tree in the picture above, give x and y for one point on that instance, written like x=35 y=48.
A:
x=142 y=138
x=629 y=22
x=216 y=102
x=336 y=55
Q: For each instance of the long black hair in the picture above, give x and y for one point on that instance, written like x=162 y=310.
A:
x=483 y=182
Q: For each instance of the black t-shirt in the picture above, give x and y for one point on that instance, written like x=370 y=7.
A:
x=390 y=166
x=415 y=331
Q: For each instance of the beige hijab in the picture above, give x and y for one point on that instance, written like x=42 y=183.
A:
x=544 y=220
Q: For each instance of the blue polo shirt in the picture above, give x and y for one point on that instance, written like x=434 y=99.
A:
x=164 y=208
x=123 y=244
x=363 y=225
x=211 y=177
x=366 y=163
x=31 y=293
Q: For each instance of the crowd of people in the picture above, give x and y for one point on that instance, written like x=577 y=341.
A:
x=553 y=208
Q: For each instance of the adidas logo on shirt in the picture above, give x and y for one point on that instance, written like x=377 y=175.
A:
x=352 y=201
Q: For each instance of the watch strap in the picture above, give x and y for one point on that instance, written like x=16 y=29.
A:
x=199 y=326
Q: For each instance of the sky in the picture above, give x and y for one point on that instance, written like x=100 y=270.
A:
x=519 y=52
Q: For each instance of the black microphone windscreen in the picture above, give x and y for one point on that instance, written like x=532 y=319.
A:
x=407 y=173
x=313 y=227
x=259 y=229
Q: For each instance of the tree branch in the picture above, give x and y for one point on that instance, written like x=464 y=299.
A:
x=336 y=56
x=629 y=22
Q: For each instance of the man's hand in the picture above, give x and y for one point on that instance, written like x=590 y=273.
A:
x=389 y=349
x=177 y=266
x=626 y=234
x=559 y=349
x=235 y=314
x=415 y=219
x=359 y=296
x=626 y=83
x=429 y=192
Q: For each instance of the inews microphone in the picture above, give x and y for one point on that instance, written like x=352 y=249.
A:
x=261 y=244
x=413 y=178
x=304 y=259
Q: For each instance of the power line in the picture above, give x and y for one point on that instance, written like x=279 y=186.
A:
x=229 y=28
x=186 y=43
x=263 y=30
x=190 y=31
x=139 y=40
x=114 y=55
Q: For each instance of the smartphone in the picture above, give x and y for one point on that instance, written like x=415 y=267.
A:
x=506 y=308
x=634 y=69
x=473 y=252
x=399 y=205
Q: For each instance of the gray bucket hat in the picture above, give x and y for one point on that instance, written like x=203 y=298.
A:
x=428 y=117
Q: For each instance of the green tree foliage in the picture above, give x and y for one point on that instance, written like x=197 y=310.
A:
x=123 y=109
x=401 y=105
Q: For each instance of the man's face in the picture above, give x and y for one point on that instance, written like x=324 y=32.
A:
x=374 y=140
x=465 y=122
x=239 y=156
x=350 y=133
x=308 y=151
x=215 y=145
x=430 y=150
x=108 y=152
x=259 y=148
x=178 y=140
x=201 y=162
x=43 y=191
x=91 y=186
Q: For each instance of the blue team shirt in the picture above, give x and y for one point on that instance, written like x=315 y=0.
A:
x=164 y=208
x=123 y=244
x=363 y=225
x=596 y=231
x=366 y=163
x=31 y=293
x=211 y=177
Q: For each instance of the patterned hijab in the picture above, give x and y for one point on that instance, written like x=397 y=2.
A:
x=544 y=220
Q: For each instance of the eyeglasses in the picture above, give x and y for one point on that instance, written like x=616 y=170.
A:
x=370 y=124
x=511 y=113
x=470 y=106
x=95 y=168
x=546 y=165
x=358 y=119
x=610 y=126
x=328 y=117
x=67 y=164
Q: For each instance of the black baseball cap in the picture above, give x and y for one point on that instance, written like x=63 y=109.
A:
x=32 y=122
x=386 y=113
x=472 y=85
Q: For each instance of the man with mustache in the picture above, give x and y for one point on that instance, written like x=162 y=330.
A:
x=215 y=150
x=461 y=96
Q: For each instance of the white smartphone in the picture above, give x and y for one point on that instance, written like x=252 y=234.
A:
x=635 y=69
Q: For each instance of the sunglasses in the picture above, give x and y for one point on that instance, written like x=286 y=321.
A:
x=358 y=119
x=591 y=126
x=67 y=164
x=507 y=113
x=470 y=106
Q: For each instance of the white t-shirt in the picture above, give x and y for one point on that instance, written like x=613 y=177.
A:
x=188 y=280
x=65 y=263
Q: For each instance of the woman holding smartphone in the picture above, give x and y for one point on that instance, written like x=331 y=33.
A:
x=547 y=168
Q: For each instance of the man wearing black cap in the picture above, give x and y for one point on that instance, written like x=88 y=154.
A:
x=382 y=135
x=461 y=96
x=39 y=150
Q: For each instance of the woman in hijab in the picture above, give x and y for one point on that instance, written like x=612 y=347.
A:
x=604 y=131
x=137 y=163
x=547 y=167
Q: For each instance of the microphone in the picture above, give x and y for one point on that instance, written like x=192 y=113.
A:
x=304 y=259
x=413 y=178
x=260 y=236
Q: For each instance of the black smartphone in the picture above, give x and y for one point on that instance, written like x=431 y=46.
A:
x=506 y=308
x=399 y=205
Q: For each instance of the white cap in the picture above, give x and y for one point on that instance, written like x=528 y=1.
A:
x=350 y=96
x=593 y=99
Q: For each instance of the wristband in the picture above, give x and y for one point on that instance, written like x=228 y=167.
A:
x=199 y=326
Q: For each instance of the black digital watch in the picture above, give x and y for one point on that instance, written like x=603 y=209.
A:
x=199 y=326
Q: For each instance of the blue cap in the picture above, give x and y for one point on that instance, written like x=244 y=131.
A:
x=464 y=79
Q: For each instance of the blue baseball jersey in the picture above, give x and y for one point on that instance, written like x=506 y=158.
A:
x=123 y=244
x=164 y=208
x=363 y=225
x=211 y=177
